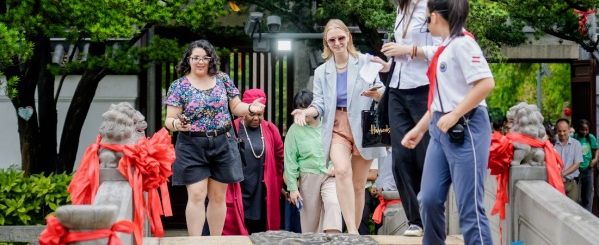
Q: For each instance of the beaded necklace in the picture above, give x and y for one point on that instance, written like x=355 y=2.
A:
x=248 y=137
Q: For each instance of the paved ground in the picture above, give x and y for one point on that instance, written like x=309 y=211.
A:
x=179 y=237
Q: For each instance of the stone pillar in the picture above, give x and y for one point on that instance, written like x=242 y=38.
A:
x=517 y=173
x=395 y=221
x=87 y=218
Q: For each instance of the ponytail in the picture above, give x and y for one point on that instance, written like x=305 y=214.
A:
x=454 y=11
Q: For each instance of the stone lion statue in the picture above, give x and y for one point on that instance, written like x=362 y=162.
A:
x=121 y=124
x=526 y=119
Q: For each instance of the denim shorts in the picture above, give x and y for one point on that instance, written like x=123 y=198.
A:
x=198 y=158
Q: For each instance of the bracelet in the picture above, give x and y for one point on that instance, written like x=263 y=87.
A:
x=413 y=52
x=249 y=108
x=174 y=125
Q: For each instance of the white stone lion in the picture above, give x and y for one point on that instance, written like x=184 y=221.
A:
x=121 y=124
x=526 y=119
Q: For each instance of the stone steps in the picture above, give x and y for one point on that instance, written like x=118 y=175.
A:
x=245 y=240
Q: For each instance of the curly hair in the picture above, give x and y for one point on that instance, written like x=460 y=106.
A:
x=184 y=67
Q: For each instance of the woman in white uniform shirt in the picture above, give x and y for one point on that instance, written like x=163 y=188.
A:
x=408 y=90
x=460 y=80
x=340 y=95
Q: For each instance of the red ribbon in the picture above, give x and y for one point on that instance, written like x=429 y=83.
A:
x=582 y=15
x=431 y=72
x=377 y=216
x=501 y=155
x=146 y=165
x=56 y=234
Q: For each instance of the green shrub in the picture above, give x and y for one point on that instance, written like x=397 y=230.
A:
x=29 y=200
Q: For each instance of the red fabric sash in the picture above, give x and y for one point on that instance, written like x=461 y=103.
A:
x=56 y=234
x=501 y=155
x=146 y=165
x=377 y=216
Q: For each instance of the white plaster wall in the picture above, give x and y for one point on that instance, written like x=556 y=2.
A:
x=111 y=90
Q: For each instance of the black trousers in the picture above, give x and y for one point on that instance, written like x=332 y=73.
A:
x=406 y=108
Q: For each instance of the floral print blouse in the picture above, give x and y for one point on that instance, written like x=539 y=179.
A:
x=207 y=109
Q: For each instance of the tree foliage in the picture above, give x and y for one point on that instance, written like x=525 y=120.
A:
x=517 y=82
x=111 y=28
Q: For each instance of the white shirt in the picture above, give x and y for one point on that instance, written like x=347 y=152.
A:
x=413 y=71
x=460 y=65
x=385 y=179
x=374 y=165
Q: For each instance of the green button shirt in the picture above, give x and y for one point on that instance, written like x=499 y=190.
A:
x=303 y=153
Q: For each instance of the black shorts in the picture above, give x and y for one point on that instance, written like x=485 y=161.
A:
x=198 y=158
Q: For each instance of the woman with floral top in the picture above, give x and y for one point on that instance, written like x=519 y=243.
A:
x=199 y=105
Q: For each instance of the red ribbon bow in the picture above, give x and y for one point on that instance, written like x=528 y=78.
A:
x=151 y=161
x=582 y=15
x=377 y=216
x=56 y=234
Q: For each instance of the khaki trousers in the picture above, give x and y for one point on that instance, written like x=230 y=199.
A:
x=571 y=188
x=321 y=209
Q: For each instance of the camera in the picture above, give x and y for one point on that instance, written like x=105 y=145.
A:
x=184 y=119
x=274 y=23
x=253 y=23
x=456 y=134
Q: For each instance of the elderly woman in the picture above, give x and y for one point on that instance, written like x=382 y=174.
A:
x=255 y=200
x=340 y=95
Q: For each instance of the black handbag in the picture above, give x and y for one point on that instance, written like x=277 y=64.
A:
x=240 y=145
x=375 y=129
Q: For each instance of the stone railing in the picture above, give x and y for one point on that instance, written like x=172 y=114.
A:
x=538 y=214
x=113 y=202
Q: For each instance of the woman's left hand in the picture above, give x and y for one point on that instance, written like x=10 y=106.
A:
x=447 y=121
x=374 y=94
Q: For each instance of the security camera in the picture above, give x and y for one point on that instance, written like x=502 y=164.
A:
x=274 y=23
x=253 y=23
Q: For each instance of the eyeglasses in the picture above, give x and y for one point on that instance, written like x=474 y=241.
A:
x=340 y=39
x=197 y=59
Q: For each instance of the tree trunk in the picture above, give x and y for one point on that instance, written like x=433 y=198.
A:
x=47 y=114
x=82 y=99
x=372 y=37
x=35 y=72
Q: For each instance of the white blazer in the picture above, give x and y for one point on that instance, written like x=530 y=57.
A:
x=325 y=102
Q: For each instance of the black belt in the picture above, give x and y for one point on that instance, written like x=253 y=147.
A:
x=339 y=108
x=209 y=133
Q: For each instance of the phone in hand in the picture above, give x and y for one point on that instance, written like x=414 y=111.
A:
x=299 y=204
x=375 y=87
x=184 y=119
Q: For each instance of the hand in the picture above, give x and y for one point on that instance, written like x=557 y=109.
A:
x=257 y=106
x=373 y=192
x=396 y=49
x=299 y=116
x=293 y=196
x=180 y=127
x=593 y=163
x=286 y=194
x=412 y=138
x=386 y=65
x=447 y=121
x=331 y=172
x=374 y=94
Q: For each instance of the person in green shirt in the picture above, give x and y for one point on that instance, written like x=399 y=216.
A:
x=589 y=157
x=305 y=162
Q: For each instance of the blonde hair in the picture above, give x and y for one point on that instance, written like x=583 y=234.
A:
x=336 y=23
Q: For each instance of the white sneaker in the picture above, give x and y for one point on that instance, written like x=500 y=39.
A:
x=414 y=230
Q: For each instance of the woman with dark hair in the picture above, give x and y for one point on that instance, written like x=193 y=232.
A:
x=458 y=124
x=340 y=95
x=411 y=51
x=590 y=149
x=305 y=161
x=198 y=105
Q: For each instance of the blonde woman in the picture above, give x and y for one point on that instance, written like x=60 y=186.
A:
x=340 y=94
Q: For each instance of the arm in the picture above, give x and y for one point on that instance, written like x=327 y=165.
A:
x=291 y=171
x=479 y=92
x=571 y=169
x=172 y=122
x=413 y=137
x=372 y=174
x=594 y=150
x=241 y=109
x=317 y=107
